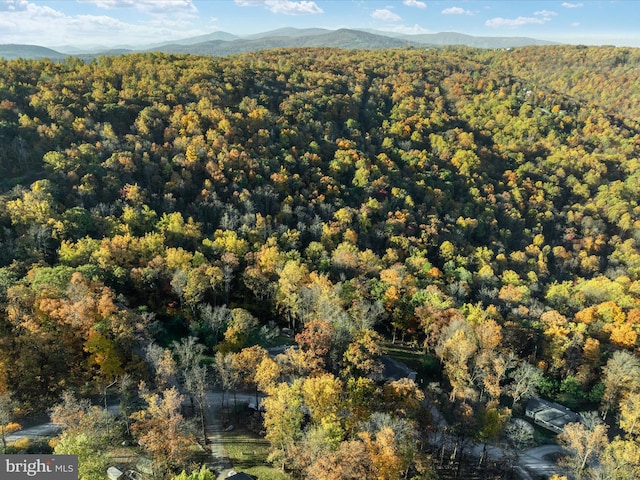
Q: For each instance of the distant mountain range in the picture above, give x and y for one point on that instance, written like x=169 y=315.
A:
x=223 y=43
x=11 y=50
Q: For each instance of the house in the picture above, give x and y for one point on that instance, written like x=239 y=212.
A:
x=395 y=370
x=550 y=415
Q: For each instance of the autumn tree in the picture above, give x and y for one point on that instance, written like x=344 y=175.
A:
x=621 y=374
x=455 y=348
x=240 y=326
x=7 y=425
x=315 y=338
x=246 y=363
x=585 y=441
x=162 y=364
x=162 y=431
x=351 y=461
x=87 y=431
x=620 y=459
x=323 y=398
x=283 y=420
x=361 y=356
x=629 y=412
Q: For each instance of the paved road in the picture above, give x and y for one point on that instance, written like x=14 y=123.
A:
x=541 y=460
x=45 y=430
x=34 y=433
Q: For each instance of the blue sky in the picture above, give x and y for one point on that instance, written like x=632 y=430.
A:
x=139 y=22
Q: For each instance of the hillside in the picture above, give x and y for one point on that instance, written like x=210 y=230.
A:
x=466 y=205
x=11 y=51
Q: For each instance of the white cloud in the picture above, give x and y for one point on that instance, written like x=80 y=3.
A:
x=293 y=8
x=500 y=22
x=23 y=7
x=545 y=13
x=30 y=23
x=456 y=11
x=572 y=5
x=415 y=3
x=386 y=15
x=287 y=7
x=576 y=24
x=150 y=6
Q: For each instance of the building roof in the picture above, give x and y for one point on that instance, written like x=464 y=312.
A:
x=550 y=415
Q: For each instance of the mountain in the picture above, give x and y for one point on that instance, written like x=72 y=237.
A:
x=223 y=36
x=452 y=38
x=223 y=43
x=343 y=38
x=12 y=50
x=289 y=32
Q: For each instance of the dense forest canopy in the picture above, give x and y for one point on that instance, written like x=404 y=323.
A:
x=454 y=198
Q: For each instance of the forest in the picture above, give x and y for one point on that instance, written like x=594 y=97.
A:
x=164 y=218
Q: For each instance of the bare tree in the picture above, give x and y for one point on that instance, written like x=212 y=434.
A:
x=525 y=381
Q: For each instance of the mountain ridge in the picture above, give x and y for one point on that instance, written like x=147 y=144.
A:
x=222 y=43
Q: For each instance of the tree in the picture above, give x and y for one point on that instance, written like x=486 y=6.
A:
x=361 y=356
x=630 y=412
x=288 y=298
x=585 y=441
x=88 y=432
x=162 y=431
x=227 y=374
x=7 y=425
x=283 y=420
x=70 y=412
x=92 y=462
x=620 y=374
x=351 y=461
x=620 y=460
x=524 y=382
x=520 y=433
x=196 y=381
x=203 y=474
x=163 y=365
x=315 y=339
x=455 y=349
x=211 y=323
x=402 y=397
x=246 y=363
x=267 y=374
x=193 y=376
x=391 y=442
x=323 y=398
x=240 y=326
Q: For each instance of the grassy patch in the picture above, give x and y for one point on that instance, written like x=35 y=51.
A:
x=425 y=364
x=248 y=453
x=408 y=355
